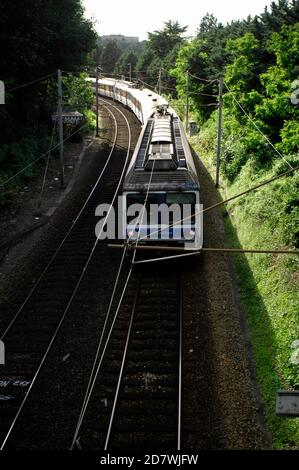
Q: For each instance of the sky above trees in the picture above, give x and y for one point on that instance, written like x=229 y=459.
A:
x=136 y=18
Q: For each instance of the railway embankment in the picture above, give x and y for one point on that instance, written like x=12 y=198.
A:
x=268 y=284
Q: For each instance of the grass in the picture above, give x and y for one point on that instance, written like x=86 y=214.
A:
x=268 y=285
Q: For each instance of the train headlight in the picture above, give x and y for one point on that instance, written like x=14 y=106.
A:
x=131 y=233
x=192 y=233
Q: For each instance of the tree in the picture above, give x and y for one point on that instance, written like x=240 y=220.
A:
x=160 y=53
x=110 y=56
x=126 y=62
x=208 y=22
x=36 y=38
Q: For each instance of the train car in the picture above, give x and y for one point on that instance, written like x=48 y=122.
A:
x=140 y=100
x=161 y=192
x=161 y=189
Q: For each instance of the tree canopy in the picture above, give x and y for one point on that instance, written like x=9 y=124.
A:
x=36 y=38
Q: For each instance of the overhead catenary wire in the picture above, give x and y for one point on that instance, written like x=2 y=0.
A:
x=92 y=381
x=244 y=192
x=30 y=83
x=120 y=376
x=47 y=166
x=190 y=92
x=95 y=376
x=39 y=158
x=256 y=126
x=96 y=367
x=61 y=243
x=203 y=79
x=225 y=201
x=95 y=362
x=212 y=250
x=147 y=84
x=122 y=365
x=202 y=94
x=76 y=287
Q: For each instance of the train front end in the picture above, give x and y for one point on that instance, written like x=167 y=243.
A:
x=161 y=191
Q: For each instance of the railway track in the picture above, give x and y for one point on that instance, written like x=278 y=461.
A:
x=136 y=399
x=32 y=332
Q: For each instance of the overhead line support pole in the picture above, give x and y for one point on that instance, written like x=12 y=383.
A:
x=219 y=131
x=60 y=126
x=159 y=82
x=187 y=104
x=97 y=101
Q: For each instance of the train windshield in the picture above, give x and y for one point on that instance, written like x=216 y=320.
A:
x=185 y=201
x=180 y=198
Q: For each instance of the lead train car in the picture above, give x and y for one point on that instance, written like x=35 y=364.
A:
x=161 y=173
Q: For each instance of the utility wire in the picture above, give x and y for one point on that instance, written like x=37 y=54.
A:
x=256 y=126
x=202 y=79
x=264 y=183
x=31 y=83
x=190 y=92
x=214 y=250
x=97 y=365
x=39 y=158
x=47 y=165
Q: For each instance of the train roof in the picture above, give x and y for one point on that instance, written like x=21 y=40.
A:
x=162 y=158
x=148 y=99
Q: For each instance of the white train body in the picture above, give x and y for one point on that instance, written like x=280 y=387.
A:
x=161 y=172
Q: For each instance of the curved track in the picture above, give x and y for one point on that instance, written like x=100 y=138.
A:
x=135 y=402
x=33 y=330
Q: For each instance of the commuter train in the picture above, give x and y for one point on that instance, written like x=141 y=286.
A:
x=161 y=190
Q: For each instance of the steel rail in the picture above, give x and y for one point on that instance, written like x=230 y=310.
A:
x=124 y=360
x=76 y=287
x=121 y=372
x=93 y=376
x=179 y=430
x=84 y=407
x=31 y=292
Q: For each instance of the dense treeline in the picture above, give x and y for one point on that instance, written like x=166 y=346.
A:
x=160 y=54
x=36 y=38
x=259 y=61
x=143 y=59
x=117 y=56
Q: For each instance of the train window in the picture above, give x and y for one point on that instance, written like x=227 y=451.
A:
x=169 y=198
x=140 y=199
x=180 y=198
x=186 y=202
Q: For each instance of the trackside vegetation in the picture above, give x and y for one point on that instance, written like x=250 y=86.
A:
x=258 y=59
x=30 y=50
